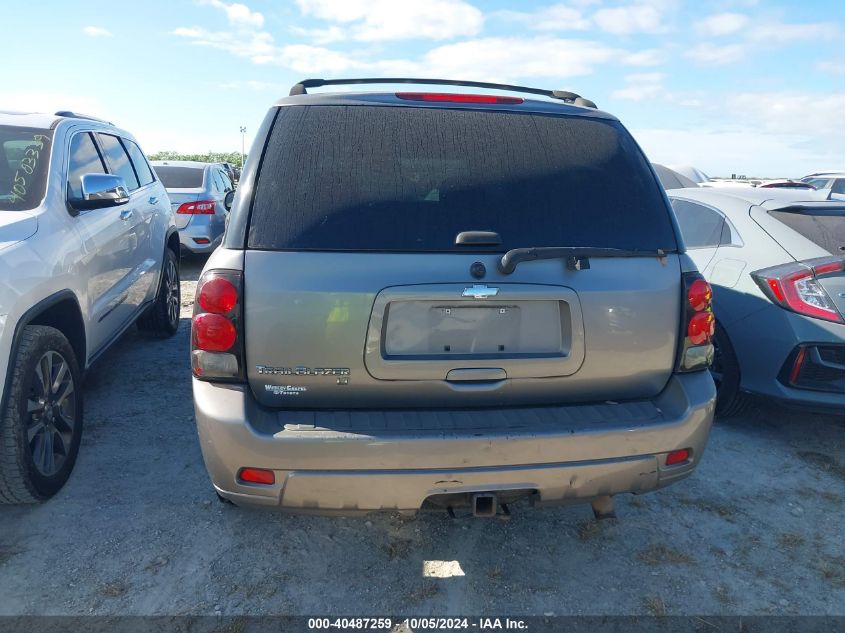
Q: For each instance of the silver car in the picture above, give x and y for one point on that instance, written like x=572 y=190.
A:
x=88 y=247
x=434 y=300
x=200 y=196
x=774 y=259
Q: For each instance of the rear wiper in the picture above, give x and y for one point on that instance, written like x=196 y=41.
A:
x=577 y=257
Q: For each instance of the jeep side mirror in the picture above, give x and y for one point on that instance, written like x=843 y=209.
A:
x=102 y=190
x=227 y=201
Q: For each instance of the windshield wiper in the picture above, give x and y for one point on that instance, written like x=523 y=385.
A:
x=577 y=257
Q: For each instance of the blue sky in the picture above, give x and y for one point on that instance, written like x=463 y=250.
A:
x=749 y=86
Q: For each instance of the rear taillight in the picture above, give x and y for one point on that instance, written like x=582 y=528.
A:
x=217 y=327
x=457 y=98
x=796 y=287
x=699 y=325
x=200 y=207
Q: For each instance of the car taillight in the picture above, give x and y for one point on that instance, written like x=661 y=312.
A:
x=457 y=98
x=701 y=328
x=699 y=324
x=214 y=333
x=201 y=207
x=796 y=287
x=217 y=328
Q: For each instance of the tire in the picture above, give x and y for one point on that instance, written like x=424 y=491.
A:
x=161 y=319
x=41 y=425
x=730 y=401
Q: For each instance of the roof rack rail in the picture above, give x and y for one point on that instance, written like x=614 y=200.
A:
x=564 y=95
x=77 y=115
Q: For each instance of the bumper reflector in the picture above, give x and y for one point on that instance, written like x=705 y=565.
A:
x=201 y=240
x=677 y=457
x=257 y=476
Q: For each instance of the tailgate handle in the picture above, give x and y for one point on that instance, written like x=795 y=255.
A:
x=476 y=374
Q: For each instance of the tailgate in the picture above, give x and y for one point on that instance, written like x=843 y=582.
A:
x=347 y=330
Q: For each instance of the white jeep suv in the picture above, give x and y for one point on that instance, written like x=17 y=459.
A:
x=88 y=246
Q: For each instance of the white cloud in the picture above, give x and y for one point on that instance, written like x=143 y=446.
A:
x=509 y=59
x=258 y=86
x=382 y=20
x=721 y=24
x=648 y=57
x=50 y=102
x=777 y=111
x=641 y=18
x=239 y=15
x=784 y=33
x=709 y=54
x=97 y=31
x=321 y=36
x=835 y=67
x=741 y=150
x=641 y=87
x=255 y=45
x=314 y=59
x=757 y=135
x=558 y=17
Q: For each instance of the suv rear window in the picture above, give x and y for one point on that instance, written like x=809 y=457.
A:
x=410 y=179
x=180 y=177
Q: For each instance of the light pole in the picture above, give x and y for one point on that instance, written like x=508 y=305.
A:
x=243 y=135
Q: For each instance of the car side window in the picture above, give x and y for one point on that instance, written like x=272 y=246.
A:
x=218 y=181
x=227 y=183
x=702 y=226
x=118 y=160
x=819 y=183
x=139 y=161
x=838 y=186
x=84 y=159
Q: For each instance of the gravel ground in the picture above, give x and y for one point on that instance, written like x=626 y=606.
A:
x=138 y=529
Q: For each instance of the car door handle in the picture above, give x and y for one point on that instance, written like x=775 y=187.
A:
x=128 y=213
x=153 y=199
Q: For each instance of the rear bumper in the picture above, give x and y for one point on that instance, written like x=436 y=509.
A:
x=766 y=340
x=563 y=454
x=207 y=227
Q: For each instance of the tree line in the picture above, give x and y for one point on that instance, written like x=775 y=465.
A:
x=233 y=158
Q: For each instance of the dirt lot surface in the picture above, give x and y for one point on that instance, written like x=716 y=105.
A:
x=758 y=529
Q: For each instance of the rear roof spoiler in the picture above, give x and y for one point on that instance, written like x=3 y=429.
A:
x=563 y=95
x=813 y=208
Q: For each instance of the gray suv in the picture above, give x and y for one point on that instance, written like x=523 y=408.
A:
x=436 y=300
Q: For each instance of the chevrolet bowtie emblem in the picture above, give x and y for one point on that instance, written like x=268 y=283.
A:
x=480 y=291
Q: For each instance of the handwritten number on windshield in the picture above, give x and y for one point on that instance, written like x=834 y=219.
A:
x=27 y=167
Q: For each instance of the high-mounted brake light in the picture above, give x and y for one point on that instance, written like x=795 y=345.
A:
x=829 y=267
x=201 y=207
x=216 y=327
x=458 y=98
x=797 y=287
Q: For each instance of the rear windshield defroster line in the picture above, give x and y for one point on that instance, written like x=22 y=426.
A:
x=380 y=178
